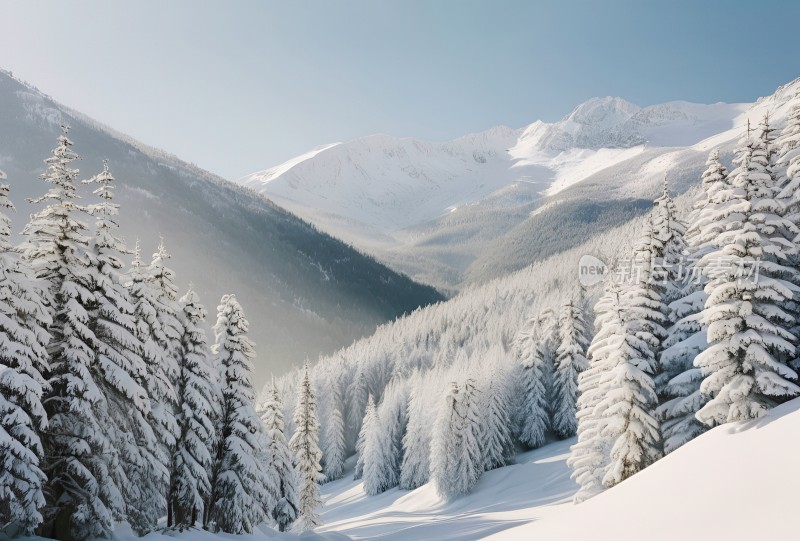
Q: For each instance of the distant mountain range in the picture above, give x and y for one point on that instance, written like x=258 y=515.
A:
x=304 y=291
x=486 y=204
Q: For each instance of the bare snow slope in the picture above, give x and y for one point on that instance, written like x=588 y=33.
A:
x=458 y=212
x=738 y=481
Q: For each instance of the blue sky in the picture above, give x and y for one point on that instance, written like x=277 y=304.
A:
x=240 y=86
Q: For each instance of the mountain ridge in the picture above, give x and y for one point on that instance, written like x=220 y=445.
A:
x=419 y=206
x=304 y=291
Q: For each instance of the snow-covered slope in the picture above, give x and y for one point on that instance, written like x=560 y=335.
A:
x=737 y=481
x=387 y=184
x=458 y=212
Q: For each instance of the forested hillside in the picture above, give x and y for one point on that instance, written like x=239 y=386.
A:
x=693 y=326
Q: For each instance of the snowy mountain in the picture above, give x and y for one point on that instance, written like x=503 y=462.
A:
x=485 y=204
x=304 y=291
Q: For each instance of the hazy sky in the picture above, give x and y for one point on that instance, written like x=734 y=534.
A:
x=239 y=86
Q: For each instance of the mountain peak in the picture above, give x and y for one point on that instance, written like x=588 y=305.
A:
x=607 y=110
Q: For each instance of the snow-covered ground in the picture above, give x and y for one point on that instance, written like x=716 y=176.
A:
x=503 y=498
x=738 y=481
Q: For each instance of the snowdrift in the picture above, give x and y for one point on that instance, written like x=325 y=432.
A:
x=738 y=481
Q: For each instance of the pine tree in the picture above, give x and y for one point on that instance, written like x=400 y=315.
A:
x=394 y=411
x=383 y=446
x=375 y=451
x=717 y=199
x=787 y=161
x=167 y=309
x=283 y=472
x=787 y=172
x=50 y=229
x=240 y=497
x=357 y=394
x=456 y=458
x=589 y=457
x=119 y=366
x=83 y=496
x=679 y=384
x=415 y=469
x=305 y=446
x=192 y=459
x=369 y=416
x=533 y=352
x=670 y=251
x=334 y=451
x=496 y=433
x=158 y=383
x=627 y=409
x=23 y=364
x=570 y=362
x=749 y=297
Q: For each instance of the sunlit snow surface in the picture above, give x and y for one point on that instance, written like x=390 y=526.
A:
x=502 y=499
x=737 y=481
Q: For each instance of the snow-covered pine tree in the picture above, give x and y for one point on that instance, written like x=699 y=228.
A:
x=305 y=446
x=670 y=252
x=570 y=362
x=159 y=385
x=749 y=297
x=119 y=365
x=47 y=228
x=496 y=428
x=357 y=394
x=787 y=172
x=240 y=491
x=82 y=494
x=415 y=469
x=374 y=455
x=23 y=365
x=383 y=446
x=627 y=410
x=589 y=457
x=787 y=161
x=334 y=431
x=282 y=472
x=169 y=332
x=679 y=387
x=394 y=411
x=196 y=389
x=532 y=349
x=369 y=417
x=456 y=458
